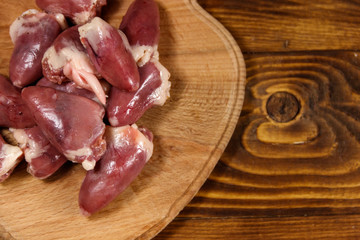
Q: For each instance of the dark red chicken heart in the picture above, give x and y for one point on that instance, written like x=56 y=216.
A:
x=67 y=59
x=128 y=149
x=32 y=33
x=79 y=11
x=127 y=107
x=13 y=110
x=141 y=25
x=73 y=88
x=43 y=159
x=73 y=124
x=107 y=49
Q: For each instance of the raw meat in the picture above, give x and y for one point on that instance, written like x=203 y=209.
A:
x=43 y=159
x=71 y=87
x=127 y=107
x=73 y=124
x=128 y=149
x=141 y=25
x=13 y=110
x=67 y=60
x=106 y=47
x=79 y=11
x=10 y=157
x=32 y=33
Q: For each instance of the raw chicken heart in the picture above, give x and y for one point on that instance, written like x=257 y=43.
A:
x=67 y=60
x=13 y=110
x=107 y=50
x=32 y=33
x=127 y=107
x=141 y=25
x=43 y=159
x=73 y=124
x=10 y=157
x=79 y=11
x=128 y=149
x=68 y=87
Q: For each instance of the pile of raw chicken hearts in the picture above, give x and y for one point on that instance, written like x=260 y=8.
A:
x=66 y=82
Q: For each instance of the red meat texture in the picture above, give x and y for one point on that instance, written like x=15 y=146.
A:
x=32 y=33
x=79 y=11
x=128 y=149
x=73 y=124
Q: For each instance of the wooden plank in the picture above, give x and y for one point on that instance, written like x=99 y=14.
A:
x=306 y=164
x=336 y=227
x=193 y=47
x=291 y=169
x=289 y=25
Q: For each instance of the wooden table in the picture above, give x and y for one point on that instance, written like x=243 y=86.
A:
x=291 y=170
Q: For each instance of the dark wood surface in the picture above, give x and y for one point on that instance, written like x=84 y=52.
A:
x=291 y=170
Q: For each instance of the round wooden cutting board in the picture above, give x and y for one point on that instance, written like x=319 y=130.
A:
x=191 y=131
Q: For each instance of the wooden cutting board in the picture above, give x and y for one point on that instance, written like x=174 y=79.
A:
x=291 y=171
x=191 y=132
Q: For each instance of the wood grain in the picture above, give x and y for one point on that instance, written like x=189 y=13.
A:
x=309 y=162
x=208 y=76
x=289 y=25
x=264 y=228
x=285 y=177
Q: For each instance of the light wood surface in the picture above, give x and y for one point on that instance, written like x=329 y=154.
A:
x=191 y=132
x=291 y=169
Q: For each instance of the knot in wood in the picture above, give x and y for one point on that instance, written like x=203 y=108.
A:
x=282 y=107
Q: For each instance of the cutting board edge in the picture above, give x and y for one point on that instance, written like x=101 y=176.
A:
x=239 y=65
